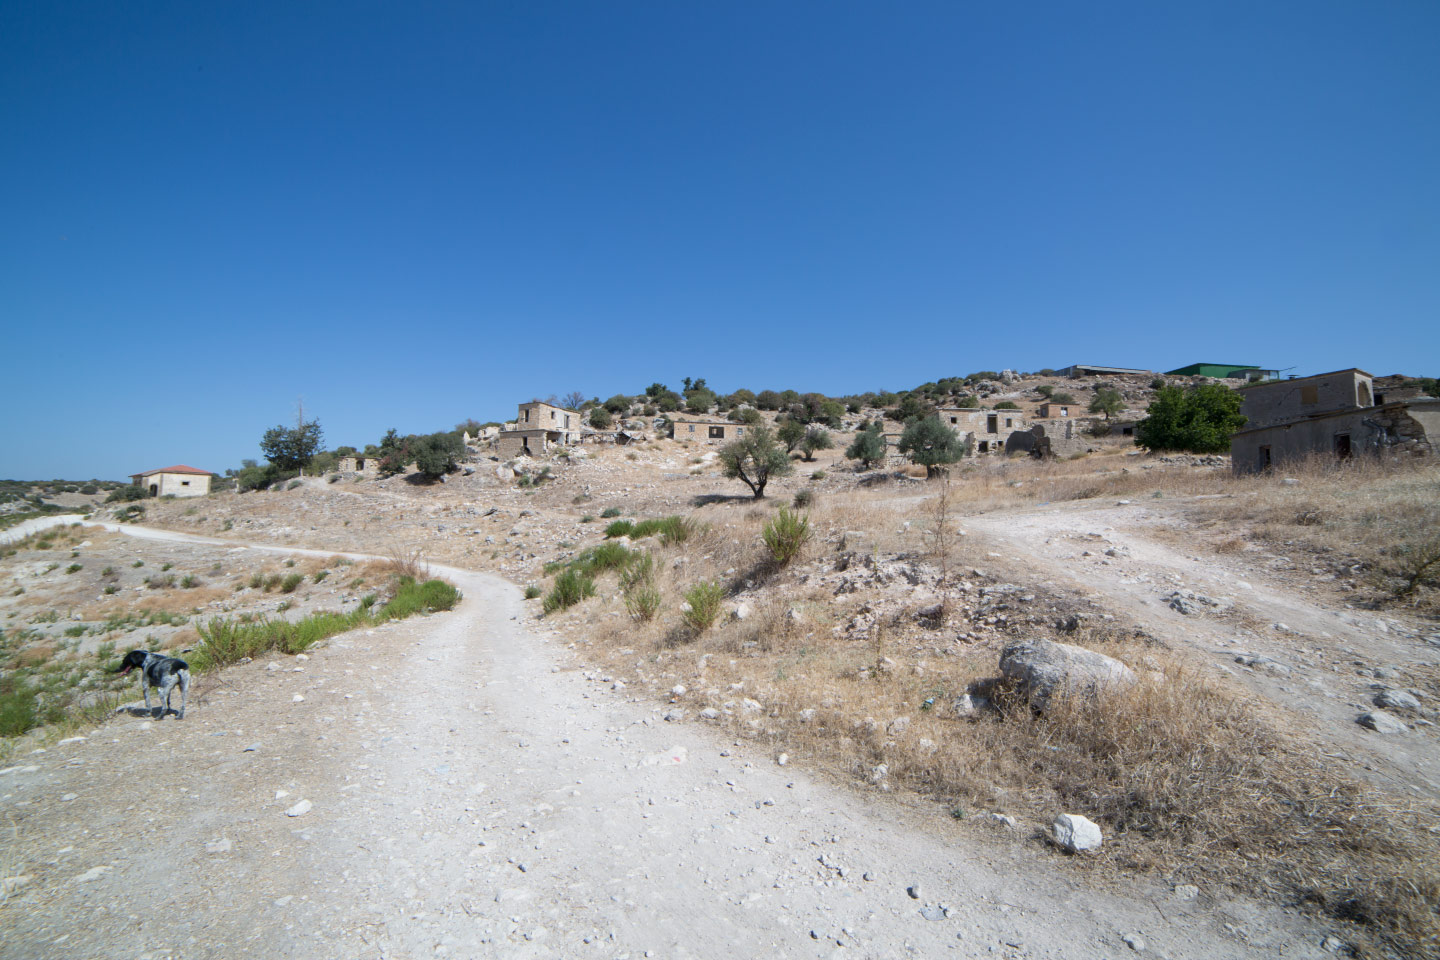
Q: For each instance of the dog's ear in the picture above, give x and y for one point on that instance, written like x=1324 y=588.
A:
x=132 y=659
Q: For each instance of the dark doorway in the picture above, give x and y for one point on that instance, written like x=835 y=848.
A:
x=1342 y=446
x=992 y=423
x=1264 y=458
x=717 y=433
x=154 y=489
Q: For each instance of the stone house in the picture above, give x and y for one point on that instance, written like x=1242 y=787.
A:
x=359 y=463
x=984 y=431
x=1053 y=410
x=721 y=430
x=176 y=481
x=538 y=415
x=1335 y=414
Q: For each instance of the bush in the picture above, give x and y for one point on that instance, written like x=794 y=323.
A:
x=620 y=528
x=570 y=588
x=609 y=512
x=1062 y=397
x=320 y=577
x=643 y=603
x=818 y=475
x=816 y=438
x=1007 y=405
x=89 y=488
x=190 y=581
x=786 y=535
x=74 y=568
x=704 y=599
x=532 y=591
x=126 y=494
x=1200 y=419
x=17 y=710
x=601 y=419
x=598 y=559
x=803 y=498
x=1045 y=390
x=290 y=582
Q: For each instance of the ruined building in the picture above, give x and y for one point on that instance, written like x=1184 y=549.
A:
x=1337 y=414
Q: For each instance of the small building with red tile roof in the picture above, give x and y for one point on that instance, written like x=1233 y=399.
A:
x=176 y=481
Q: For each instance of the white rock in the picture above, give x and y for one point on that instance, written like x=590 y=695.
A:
x=297 y=699
x=94 y=873
x=898 y=726
x=300 y=809
x=1186 y=891
x=709 y=713
x=1076 y=833
x=783 y=759
x=1381 y=722
x=741 y=611
x=678 y=690
x=1002 y=819
x=218 y=846
x=1396 y=700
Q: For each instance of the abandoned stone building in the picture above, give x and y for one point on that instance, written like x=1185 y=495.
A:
x=359 y=463
x=722 y=430
x=983 y=431
x=1054 y=410
x=538 y=428
x=176 y=481
x=1335 y=414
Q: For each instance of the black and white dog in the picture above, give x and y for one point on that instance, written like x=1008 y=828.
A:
x=161 y=672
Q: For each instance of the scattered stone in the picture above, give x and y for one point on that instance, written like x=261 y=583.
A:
x=807 y=715
x=678 y=690
x=782 y=760
x=934 y=912
x=10 y=884
x=252 y=748
x=297 y=699
x=1186 y=891
x=1043 y=668
x=1396 y=700
x=1272 y=667
x=1002 y=819
x=1382 y=722
x=1189 y=602
x=675 y=715
x=898 y=726
x=914 y=891
x=709 y=713
x=1135 y=942
x=879 y=773
x=68 y=797
x=300 y=809
x=94 y=873
x=218 y=846
x=1333 y=945
x=741 y=611
x=934 y=611
x=1076 y=833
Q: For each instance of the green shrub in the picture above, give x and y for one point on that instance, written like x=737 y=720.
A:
x=159 y=583
x=190 y=581
x=272 y=581
x=291 y=581
x=620 y=528
x=639 y=572
x=643 y=603
x=598 y=559
x=412 y=598
x=570 y=588
x=786 y=535
x=1007 y=405
x=803 y=498
x=111 y=590
x=320 y=577
x=1200 y=419
x=126 y=493
x=818 y=475
x=609 y=512
x=704 y=605
x=17 y=711
x=138 y=563
x=532 y=591
x=676 y=529
x=74 y=568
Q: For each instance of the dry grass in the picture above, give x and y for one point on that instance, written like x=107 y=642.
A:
x=1189 y=777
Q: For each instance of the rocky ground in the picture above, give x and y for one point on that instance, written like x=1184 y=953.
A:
x=455 y=786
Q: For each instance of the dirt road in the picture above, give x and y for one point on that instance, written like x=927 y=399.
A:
x=471 y=793
x=1280 y=636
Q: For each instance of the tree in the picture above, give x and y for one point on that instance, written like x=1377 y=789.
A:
x=656 y=390
x=868 y=446
x=618 y=404
x=1107 y=401
x=911 y=408
x=573 y=400
x=768 y=400
x=291 y=448
x=393 y=452
x=746 y=415
x=600 y=418
x=699 y=400
x=816 y=438
x=1200 y=419
x=790 y=433
x=1007 y=405
x=470 y=426
x=931 y=444
x=1062 y=397
x=1045 y=390
x=435 y=454
x=754 y=459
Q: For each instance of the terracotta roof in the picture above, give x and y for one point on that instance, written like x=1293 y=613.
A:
x=178 y=468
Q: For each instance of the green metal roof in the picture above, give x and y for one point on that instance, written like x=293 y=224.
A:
x=1211 y=369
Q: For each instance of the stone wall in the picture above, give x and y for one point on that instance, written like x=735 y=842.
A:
x=1396 y=430
x=1280 y=400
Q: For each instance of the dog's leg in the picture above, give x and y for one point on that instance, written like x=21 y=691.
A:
x=145 y=689
x=184 y=692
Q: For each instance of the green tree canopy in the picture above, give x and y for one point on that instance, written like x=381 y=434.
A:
x=931 y=444
x=816 y=438
x=600 y=418
x=790 y=432
x=1107 y=401
x=1200 y=419
x=290 y=448
x=868 y=446
x=754 y=459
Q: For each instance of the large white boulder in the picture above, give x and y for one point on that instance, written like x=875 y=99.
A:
x=1043 y=668
x=1076 y=833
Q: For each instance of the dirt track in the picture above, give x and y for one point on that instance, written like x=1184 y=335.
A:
x=1322 y=658
x=474 y=795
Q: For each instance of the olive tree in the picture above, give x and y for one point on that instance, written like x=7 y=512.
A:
x=931 y=444
x=754 y=459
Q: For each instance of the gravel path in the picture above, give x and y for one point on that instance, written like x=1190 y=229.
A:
x=471 y=794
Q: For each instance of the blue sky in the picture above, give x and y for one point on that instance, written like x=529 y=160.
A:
x=410 y=214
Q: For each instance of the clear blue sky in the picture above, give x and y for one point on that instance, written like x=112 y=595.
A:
x=410 y=214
